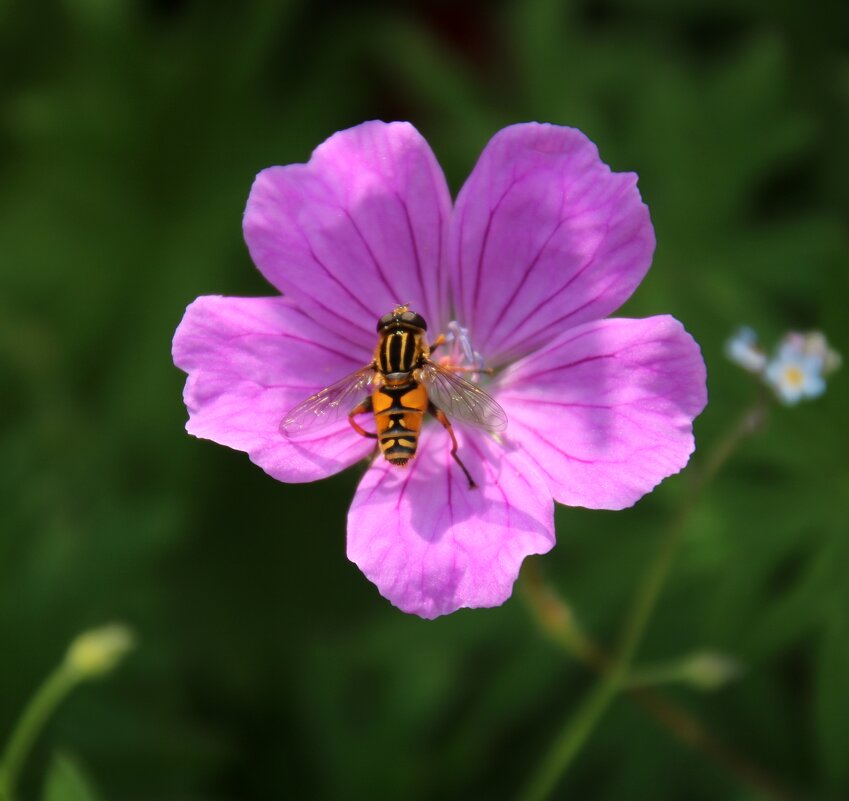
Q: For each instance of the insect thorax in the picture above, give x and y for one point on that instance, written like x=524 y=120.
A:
x=399 y=350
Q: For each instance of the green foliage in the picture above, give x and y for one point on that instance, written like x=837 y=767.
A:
x=268 y=666
x=66 y=782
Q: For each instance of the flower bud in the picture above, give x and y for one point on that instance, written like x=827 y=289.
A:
x=709 y=670
x=96 y=652
x=743 y=350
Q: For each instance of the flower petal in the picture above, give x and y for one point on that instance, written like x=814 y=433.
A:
x=606 y=410
x=357 y=230
x=544 y=236
x=249 y=361
x=433 y=545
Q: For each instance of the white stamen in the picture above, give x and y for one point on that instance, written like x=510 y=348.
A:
x=461 y=353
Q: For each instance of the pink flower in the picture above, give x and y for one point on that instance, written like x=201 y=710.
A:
x=543 y=242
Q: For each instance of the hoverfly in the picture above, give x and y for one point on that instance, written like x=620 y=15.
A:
x=401 y=384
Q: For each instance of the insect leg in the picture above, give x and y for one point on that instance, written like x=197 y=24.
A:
x=361 y=408
x=446 y=423
x=470 y=369
x=440 y=340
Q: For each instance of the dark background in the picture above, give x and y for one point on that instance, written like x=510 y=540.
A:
x=268 y=666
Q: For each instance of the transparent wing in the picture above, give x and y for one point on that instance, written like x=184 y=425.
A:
x=328 y=406
x=460 y=399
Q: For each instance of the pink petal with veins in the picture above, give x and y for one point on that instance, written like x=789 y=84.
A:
x=544 y=237
x=606 y=410
x=359 y=229
x=250 y=360
x=433 y=545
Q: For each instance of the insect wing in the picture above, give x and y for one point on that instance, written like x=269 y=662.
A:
x=328 y=406
x=462 y=400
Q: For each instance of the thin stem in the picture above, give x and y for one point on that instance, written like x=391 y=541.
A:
x=691 y=731
x=580 y=726
x=666 y=673
x=650 y=587
x=543 y=602
x=572 y=737
x=556 y=618
x=91 y=654
x=41 y=706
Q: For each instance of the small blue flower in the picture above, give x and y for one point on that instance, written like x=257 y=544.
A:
x=798 y=368
x=794 y=374
x=743 y=350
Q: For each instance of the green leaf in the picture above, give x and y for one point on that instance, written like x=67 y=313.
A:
x=66 y=782
x=832 y=695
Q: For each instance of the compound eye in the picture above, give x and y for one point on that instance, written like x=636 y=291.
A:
x=387 y=319
x=411 y=318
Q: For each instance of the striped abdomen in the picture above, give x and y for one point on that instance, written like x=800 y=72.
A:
x=398 y=412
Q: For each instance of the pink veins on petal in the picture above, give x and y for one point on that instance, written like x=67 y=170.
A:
x=544 y=241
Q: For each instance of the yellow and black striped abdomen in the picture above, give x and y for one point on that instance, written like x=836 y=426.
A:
x=398 y=412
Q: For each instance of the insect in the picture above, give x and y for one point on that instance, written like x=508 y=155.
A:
x=401 y=384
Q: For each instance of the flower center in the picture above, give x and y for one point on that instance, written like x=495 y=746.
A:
x=459 y=354
x=793 y=376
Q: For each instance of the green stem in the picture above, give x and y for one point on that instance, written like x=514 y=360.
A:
x=57 y=685
x=551 y=612
x=580 y=726
x=667 y=673
x=572 y=737
x=556 y=617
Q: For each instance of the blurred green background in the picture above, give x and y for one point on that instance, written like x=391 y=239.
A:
x=268 y=666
